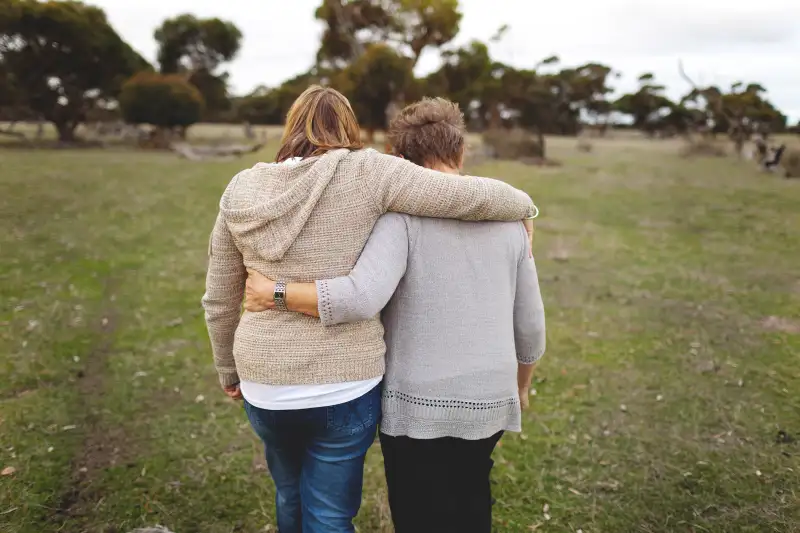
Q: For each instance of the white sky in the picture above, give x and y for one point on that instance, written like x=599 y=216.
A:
x=719 y=41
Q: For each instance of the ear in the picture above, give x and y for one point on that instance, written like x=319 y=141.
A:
x=462 y=157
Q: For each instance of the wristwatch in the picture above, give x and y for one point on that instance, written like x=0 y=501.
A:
x=279 y=297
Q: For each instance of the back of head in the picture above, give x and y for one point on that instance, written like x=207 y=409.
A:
x=429 y=132
x=321 y=119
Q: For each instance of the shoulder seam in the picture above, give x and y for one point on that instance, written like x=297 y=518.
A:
x=522 y=254
x=231 y=187
x=369 y=191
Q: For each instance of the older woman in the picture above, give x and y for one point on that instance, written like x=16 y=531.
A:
x=312 y=392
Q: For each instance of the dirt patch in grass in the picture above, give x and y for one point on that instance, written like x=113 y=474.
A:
x=103 y=446
x=703 y=148
x=781 y=325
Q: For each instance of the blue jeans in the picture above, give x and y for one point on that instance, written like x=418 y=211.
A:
x=316 y=458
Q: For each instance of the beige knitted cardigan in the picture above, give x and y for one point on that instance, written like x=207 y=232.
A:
x=310 y=220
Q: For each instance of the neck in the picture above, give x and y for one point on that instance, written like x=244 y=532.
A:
x=443 y=167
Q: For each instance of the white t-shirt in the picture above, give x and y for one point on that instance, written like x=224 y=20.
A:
x=290 y=397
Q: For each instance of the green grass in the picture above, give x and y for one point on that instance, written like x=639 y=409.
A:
x=658 y=403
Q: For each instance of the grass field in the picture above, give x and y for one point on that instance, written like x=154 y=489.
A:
x=669 y=398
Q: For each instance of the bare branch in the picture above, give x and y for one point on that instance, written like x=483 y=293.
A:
x=686 y=77
x=716 y=103
x=347 y=25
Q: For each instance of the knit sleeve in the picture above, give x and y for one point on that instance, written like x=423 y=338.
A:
x=401 y=186
x=367 y=289
x=529 y=325
x=222 y=301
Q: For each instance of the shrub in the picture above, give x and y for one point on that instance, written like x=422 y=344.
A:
x=165 y=101
x=512 y=144
x=791 y=163
x=584 y=145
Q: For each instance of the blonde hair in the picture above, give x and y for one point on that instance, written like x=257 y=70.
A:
x=428 y=132
x=321 y=119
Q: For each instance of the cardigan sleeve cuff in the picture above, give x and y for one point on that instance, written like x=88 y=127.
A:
x=228 y=378
x=324 y=304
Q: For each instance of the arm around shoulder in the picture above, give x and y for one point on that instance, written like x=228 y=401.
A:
x=367 y=289
x=401 y=186
x=529 y=320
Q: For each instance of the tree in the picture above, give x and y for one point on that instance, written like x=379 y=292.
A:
x=12 y=109
x=740 y=112
x=343 y=20
x=167 y=101
x=420 y=24
x=10 y=97
x=64 y=58
x=186 y=43
x=213 y=88
x=406 y=26
x=372 y=82
x=647 y=106
x=409 y=26
x=260 y=107
x=469 y=77
x=588 y=92
x=198 y=47
x=270 y=106
x=291 y=89
x=9 y=94
x=530 y=102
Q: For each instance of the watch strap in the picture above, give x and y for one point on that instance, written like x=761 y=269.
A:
x=279 y=296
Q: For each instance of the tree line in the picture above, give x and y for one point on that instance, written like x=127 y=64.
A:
x=62 y=62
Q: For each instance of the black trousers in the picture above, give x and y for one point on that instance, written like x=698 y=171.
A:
x=439 y=485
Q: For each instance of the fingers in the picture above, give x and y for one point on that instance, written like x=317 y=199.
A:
x=529 y=230
x=257 y=276
x=234 y=392
x=252 y=307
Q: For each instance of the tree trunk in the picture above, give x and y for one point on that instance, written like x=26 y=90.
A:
x=738 y=145
x=541 y=141
x=66 y=131
x=739 y=138
x=370 y=135
x=161 y=138
x=495 y=121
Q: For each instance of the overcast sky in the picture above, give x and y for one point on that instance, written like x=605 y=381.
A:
x=719 y=41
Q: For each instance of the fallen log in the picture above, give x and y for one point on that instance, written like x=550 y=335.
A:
x=16 y=134
x=206 y=152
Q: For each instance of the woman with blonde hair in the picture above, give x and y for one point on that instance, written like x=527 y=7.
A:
x=312 y=393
